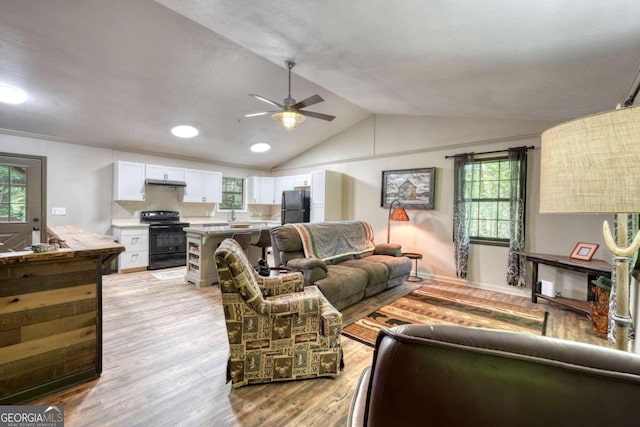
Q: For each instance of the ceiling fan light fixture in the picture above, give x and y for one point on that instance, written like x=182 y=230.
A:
x=260 y=147
x=289 y=119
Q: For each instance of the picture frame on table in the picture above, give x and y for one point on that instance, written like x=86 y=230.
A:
x=414 y=188
x=584 y=251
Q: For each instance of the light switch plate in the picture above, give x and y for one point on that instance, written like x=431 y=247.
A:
x=58 y=211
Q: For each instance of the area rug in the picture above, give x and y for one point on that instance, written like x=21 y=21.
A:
x=437 y=307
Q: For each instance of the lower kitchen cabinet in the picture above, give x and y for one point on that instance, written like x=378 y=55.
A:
x=136 y=242
x=201 y=268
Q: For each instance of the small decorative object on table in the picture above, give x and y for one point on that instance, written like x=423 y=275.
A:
x=600 y=307
x=263 y=268
x=43 y=247
x=584 y=251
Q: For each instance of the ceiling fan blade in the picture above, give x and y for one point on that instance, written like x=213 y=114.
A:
x=267 y=100
x=320 y=116
x=262 y=113
x=307 y=102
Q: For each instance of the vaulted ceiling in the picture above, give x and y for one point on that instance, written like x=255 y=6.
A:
x=121 y=73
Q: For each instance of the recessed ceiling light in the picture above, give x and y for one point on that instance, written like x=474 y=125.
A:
x=260 y=147
x=12 y=95
x=184 y=131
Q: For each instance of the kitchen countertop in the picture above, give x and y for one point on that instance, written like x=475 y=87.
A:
x=207 y=230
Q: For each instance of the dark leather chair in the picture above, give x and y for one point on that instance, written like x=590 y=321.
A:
x=425 y=375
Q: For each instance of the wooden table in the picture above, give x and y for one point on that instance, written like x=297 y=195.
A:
x=416 y=256
x=593 y=269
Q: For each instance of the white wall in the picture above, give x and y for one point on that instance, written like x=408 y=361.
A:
x=402 y=142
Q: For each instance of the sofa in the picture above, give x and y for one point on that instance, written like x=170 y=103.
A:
x=278 y=329
x=340 y=258
x=457 y=376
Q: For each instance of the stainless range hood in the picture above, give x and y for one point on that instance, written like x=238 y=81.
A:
x=165 y=183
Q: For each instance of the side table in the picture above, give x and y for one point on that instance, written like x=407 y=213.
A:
x=416 y=256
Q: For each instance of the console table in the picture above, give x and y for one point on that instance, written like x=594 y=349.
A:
x=593 y=268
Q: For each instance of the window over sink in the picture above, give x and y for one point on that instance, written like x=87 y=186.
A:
x=233 y=190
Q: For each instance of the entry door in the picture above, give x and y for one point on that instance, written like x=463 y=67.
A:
x=22 y=220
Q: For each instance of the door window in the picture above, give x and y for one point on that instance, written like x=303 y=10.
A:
x=13 y=194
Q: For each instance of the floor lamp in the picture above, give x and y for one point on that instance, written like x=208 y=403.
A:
x=398 y=214
x=592 y=165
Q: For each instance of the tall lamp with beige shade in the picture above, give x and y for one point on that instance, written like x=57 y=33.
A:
x=592 y=165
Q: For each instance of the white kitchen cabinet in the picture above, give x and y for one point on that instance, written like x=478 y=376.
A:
x=281 y=183
x=136 y=242
x=326 y=196
x=164 y=173
x=128 y=181
x=261 y=190
x=301 y=180
x=202 y=186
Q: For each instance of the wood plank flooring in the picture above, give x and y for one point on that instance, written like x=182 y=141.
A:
x=165 y=352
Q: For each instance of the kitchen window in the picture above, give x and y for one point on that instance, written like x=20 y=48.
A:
x=232 y=194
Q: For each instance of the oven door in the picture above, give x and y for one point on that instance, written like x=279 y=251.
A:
x=165 y=239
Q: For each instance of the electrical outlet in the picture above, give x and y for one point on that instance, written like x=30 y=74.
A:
x=58 y=211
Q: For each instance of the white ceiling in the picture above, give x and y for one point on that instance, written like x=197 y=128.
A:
x=121 y=73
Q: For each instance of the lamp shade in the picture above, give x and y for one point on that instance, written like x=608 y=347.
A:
x=399 y=214
x=592 y=164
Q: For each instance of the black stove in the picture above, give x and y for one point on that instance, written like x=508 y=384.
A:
x=167 y=239
x=161 y=218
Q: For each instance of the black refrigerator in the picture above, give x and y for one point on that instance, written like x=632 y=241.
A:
x=295 y=206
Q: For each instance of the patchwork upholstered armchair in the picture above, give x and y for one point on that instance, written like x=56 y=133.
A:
x=278 y=329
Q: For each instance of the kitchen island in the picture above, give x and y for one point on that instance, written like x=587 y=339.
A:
x=51 y=314
x=201 y=245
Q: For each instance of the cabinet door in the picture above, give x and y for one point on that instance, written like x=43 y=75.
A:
x=317 y=212
x=212 y=187
x=165 y=173
x=267 y=189
x=260 y=190
x=281 y=183
x=154 y=172
x=128 y=181
x=253 y=189
x=317 y=187
x=194 y=191
x=174 y=174
x=302 y=180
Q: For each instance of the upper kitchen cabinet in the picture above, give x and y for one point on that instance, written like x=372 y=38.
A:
x=301 y=180
x=128 y=181
x=326 y=196
x=287 y=183
x=164 y=173
x=261 y=190
x=202 y=186
x=281 y=183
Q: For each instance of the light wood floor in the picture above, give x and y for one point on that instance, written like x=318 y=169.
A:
x=165 y=351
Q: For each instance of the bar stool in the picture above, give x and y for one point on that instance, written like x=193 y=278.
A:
x=264 y=242
x=243 y=239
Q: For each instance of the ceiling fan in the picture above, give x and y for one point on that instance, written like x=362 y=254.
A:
x=291 y=113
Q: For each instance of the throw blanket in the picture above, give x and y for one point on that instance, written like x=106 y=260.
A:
x=329 y=240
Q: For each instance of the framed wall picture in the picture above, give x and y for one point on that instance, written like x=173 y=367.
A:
x=414 y=188
x=584 y=251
